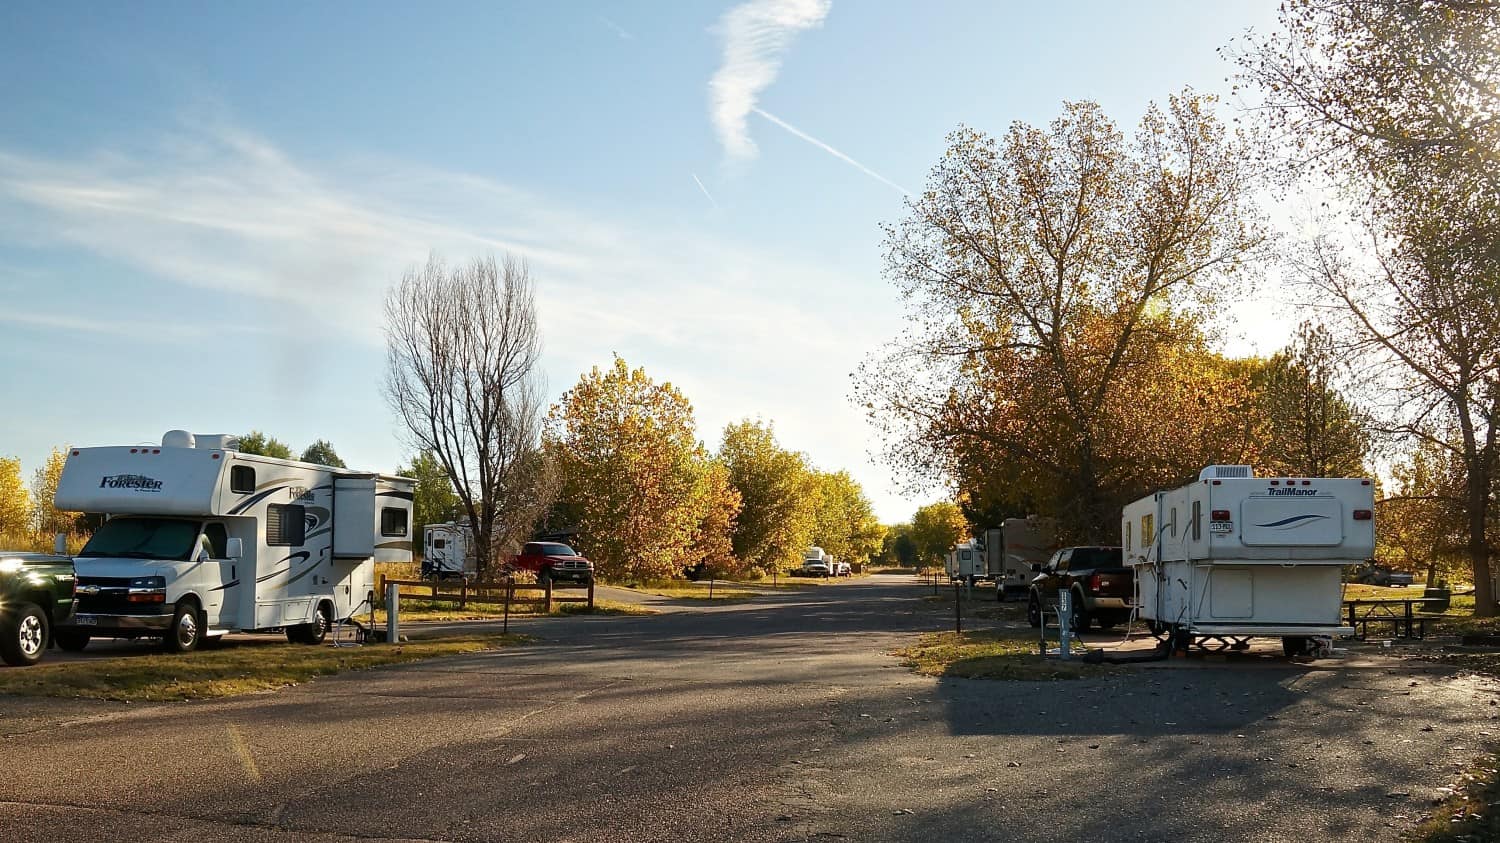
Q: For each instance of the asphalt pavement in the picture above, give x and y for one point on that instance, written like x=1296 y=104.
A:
x=783 y=718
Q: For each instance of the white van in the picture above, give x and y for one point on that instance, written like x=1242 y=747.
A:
x=202 y=540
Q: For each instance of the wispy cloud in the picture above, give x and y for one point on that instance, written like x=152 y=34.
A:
x=624 y=34
x=302 y=252
x=830 y=150
x=756 y=35
x=710 y=196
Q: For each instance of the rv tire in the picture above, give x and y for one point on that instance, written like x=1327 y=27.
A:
x=24 y=629
x=315 y=632
x=186 y=631
x=71 y=640
x=1293 y=646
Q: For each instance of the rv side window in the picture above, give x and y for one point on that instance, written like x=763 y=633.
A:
x=1173 y=524
x=218 y=540
x=392 y=521
x=241 y=478
x=1148 y=530
x=1128 y=545
x=1197 y=520
x=439 y=544
x=284 y=525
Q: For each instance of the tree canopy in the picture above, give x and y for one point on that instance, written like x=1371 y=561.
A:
x=321 y=453
x=632 y=472
x=1055 y=279
x=259 y=444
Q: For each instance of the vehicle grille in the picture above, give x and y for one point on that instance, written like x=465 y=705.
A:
x=111 y=599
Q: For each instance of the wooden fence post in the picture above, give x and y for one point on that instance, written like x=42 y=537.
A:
x=547 y=607
x=591 y=592
x=510 y=591
x=463 y=595
x=380 y=589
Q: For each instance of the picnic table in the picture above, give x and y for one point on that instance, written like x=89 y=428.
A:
x=1400 y=612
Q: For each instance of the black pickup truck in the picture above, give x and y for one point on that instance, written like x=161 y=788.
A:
x=1102 y=587
x=36 y=594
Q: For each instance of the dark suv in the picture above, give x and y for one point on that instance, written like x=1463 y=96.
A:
x=36 y=595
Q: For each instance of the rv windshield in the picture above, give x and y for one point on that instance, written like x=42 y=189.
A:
x=143 y=538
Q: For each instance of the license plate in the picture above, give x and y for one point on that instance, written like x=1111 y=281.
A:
x=86 y=620
x=1221 y=526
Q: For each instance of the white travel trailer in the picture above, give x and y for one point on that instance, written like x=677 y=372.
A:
x=202 y=540
x=448 y=551
x=1233 y=556
x=966 y=562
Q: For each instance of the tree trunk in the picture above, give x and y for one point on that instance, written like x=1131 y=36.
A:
x=1479 y=548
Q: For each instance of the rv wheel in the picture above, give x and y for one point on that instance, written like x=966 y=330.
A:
x=24 y=631
x=315 y=632
x=185 y=632
x=1293 y=646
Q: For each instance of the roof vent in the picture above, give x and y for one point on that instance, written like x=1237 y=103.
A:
x=1225 y=471
x=177 y=439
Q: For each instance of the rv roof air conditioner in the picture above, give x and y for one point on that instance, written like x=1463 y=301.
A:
x=1225 y=471
x=206 y=441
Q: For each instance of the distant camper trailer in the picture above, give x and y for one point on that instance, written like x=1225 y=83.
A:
x=448 y=551
x=201 y=540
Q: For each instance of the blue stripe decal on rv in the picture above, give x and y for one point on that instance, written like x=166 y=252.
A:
x=293 y=559
x=1294 y=521
x=257 y=498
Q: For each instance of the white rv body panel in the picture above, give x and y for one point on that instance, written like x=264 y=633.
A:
x=1247 y=556
x=1012 y=549
x=966 y=562
x=448 y=550
x=286 y=515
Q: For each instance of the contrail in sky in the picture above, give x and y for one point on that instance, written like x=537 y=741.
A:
x=830 y=150
x=704 y=189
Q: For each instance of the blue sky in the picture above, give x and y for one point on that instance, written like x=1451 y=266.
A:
x=201 y=205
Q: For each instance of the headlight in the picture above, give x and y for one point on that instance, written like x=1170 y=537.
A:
x=147 y=590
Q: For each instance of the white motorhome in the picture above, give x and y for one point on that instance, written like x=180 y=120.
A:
x=1233 y=556
x=202 y=540
x=448 y=551
x=1011 y=550
x=966 y=562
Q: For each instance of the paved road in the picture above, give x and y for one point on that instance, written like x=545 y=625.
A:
x=780 y=719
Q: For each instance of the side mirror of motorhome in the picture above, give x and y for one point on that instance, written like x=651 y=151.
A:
x=60 y=544
x=234 y=548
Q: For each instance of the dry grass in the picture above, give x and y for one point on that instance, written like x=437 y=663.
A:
x=442 y=610
x=34 y=542
x=991 y=655
x=1471 y=814
x=726 y=592
x=234 y=669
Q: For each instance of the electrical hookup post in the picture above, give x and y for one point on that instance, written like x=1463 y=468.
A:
x=392 y=613
x=1064 y=628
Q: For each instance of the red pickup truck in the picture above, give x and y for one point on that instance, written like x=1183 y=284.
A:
x=553 y=561
x=1102 y=588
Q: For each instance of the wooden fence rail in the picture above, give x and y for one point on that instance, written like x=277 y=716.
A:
x=505 y=592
